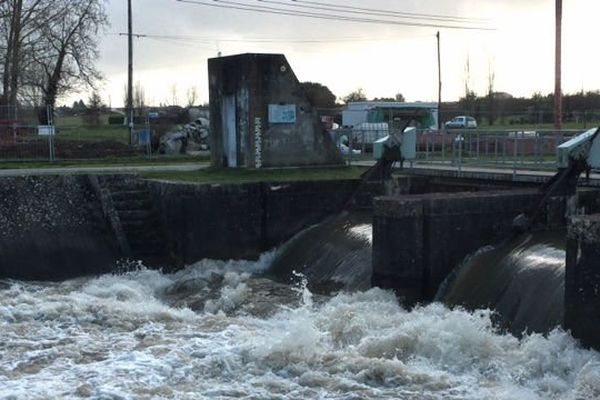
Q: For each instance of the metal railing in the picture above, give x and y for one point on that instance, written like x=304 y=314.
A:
x=503 y=149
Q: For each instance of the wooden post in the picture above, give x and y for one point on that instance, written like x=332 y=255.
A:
x=130 y=73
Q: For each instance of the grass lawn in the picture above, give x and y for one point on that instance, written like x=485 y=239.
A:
x=221 y=175
x=105 y=162
x=75 y=128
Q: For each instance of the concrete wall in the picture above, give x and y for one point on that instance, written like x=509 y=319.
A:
x=242 y=221
x=582 y=280
x=52 y=228
x=419 y=239
x=257 y=81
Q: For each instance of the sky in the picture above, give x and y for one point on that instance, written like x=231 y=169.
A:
x=381 y=59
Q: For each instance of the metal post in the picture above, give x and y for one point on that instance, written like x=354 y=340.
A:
x=460 y=142
x=515 y=152
x=350 y=140
x=496 y=148
x=50 y=120
x=439 y=82
x=363 y=147
x=504 y=140
x=441 y=135
x=15 y=123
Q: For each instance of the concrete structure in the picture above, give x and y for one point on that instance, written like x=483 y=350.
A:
x=419 y=239
x=582 y=282
x=260 y=117
x=60 y=227
x=364 y=114
x=53 y=228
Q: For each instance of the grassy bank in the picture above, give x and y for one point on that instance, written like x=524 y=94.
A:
x=105 y=162
x=220 y=175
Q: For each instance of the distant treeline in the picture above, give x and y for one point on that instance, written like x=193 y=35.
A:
x=538 y=109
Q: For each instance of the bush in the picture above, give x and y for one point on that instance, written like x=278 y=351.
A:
x=116 y=120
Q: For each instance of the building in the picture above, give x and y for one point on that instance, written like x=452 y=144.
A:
x=260 y=117
x=377 y=112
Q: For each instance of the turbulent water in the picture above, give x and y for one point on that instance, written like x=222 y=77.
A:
x=221 y=330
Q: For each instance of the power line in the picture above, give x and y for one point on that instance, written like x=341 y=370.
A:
x=373 y=12
x=211 y=40
x=235 y=4
x=390 y=12
x=279 y=11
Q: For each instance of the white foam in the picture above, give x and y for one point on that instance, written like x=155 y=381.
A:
x=112 y=337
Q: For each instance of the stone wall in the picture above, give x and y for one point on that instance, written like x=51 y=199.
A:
x=52 y=228
x=582 y=279
x=242 y=221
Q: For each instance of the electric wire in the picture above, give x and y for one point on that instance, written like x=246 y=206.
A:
x=279 y=11
x=371 y=12
x=391 y=12
x=211 y=40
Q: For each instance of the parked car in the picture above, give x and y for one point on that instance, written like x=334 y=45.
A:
x=462 y=121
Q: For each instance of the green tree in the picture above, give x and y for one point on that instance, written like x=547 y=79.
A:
x=94 y=109
x=319 y=95
x=357 y=95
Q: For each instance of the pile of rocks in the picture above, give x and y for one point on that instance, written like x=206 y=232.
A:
x=190 y=138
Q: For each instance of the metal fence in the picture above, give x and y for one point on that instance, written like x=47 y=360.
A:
x=70 y=136
x=513 y=149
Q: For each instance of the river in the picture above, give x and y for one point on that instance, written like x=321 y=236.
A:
x=221 y=330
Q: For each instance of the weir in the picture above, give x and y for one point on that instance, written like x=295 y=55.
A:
x=422 y=228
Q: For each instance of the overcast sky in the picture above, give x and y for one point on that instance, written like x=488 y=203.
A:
x=381 y=59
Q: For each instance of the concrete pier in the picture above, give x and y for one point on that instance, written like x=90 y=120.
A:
x=582 y=282
x=419 y=239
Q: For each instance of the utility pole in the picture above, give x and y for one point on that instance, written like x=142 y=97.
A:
x=130 y=123
x=558 y=71
x=439 y=82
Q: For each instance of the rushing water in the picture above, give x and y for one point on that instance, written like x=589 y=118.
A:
x=217 y=331
x=523 y=279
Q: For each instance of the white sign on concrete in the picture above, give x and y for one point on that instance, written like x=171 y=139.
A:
x=282 y=114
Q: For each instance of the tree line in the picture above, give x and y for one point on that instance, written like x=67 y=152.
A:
x=501 y=107
x=49 y=49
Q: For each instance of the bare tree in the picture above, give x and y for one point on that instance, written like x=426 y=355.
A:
x=65 y=50
x=139 y=98
x=468 y=101
x=491 y=98
x=21 y=21
x=173 y=93
x=192 y=96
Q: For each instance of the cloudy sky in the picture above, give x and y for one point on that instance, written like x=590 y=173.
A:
x=381 y=59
